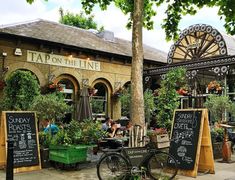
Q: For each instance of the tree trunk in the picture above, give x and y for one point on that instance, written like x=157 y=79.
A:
x=137 y=99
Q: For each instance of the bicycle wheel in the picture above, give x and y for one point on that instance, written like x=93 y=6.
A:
x=113 y=166
x=162 y=165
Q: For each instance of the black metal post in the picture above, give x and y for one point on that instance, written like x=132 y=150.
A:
x=190 y=100
x=10 y=160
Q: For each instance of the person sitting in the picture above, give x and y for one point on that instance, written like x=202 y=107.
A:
x=112 y=130
x=113 y=142
x=107 y=124
x=50 y=128
x=127 y=129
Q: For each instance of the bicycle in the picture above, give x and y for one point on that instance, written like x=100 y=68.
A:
x=118 y=165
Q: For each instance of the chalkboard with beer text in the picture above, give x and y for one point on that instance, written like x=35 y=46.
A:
x=21 y=129
x=185 y=136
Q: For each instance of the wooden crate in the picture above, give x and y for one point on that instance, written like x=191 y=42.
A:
x=161 y=141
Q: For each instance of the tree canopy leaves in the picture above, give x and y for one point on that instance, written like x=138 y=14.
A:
x=78 y=20
x=175 y=10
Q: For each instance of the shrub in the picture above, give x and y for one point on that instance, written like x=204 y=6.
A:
x=218 y=106
x=50 y=106
x=168 y=98
x=86 y=132
x=21 y=89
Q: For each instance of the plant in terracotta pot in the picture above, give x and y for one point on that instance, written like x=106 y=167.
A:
x=44 y=142
x=218 y=107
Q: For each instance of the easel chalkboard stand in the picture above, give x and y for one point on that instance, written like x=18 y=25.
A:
x=204 y=161
x=3 y=145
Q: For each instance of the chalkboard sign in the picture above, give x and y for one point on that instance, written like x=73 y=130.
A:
x=185 y=135
x=21 y=128
x=136 y=154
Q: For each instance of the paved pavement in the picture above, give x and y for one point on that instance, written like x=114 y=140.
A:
x=87 y=171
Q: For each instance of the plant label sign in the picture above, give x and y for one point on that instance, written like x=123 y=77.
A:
x=21 y=128
x=185 y=135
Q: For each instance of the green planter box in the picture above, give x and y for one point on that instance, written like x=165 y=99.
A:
x=68 y=154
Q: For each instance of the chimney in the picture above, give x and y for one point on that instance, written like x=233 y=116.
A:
x=106 y=35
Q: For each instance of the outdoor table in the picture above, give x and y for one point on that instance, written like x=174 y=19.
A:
x=113 y=143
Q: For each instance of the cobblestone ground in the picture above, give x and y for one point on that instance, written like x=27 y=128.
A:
x=87 y=171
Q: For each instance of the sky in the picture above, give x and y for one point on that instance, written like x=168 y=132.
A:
x=16 y=11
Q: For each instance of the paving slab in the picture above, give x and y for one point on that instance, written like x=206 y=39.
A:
x=87 y=171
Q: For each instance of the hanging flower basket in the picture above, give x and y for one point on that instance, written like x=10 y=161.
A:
x=2 y=84
x=92 y=91
x=118 y=92
x=182 y=92
x=54 y=87
x=214 y=87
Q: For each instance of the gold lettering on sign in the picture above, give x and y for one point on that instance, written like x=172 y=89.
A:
x=57 y=60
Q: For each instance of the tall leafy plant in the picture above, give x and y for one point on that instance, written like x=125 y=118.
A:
x=50 y=106
x=168 y=98
x=219 y=106
x=125 y=102
x=149 y=105
x=21 y=89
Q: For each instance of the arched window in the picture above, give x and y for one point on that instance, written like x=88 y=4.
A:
x=99 y=100
x=69 y=86
x=68 y=90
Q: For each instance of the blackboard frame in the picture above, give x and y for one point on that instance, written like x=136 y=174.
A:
x=204 y=161
x=185 y=138
x=4 y=134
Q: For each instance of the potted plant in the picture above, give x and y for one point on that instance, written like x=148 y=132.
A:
x=217 y=136
x=44 y=142
x=218 y=106
x=53 y=108
x=70 y=145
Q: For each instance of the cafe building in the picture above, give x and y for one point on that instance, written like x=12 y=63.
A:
x=209 y=58
x=73 y=58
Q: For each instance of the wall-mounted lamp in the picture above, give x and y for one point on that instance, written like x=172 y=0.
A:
x=85 y=82
x=3 y=56
x=51 y=77
x=18 y=52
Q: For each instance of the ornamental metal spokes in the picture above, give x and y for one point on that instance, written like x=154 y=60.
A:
x=197 y=42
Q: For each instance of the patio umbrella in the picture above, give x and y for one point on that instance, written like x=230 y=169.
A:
x=84 y=107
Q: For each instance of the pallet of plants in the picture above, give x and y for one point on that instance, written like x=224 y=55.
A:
x=69 y=146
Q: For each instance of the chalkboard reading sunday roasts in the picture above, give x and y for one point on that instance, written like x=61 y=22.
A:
x=185 y=136
x=21 y=128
